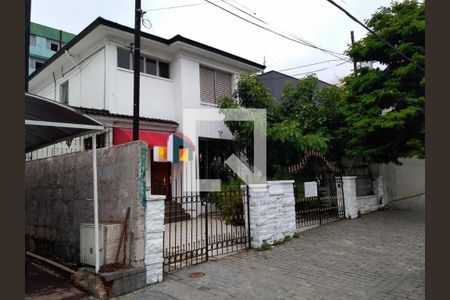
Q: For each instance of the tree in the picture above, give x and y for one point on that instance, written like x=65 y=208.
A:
x=307 y=119
x=384 y=107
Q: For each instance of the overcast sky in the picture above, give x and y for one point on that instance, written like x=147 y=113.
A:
x=316 y=21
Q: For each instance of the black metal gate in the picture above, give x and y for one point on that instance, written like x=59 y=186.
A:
x=318 y=190
x=202 y=225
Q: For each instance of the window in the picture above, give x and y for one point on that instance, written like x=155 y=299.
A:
x=64 y=92
x=214 y=84
x=123 y=58
x=32 y=40
x=52 y=45
x=35 y=63
x=100 y=142
x=163 y=69
x=148 y=65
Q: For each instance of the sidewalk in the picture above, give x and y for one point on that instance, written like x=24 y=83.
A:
x=378 y=256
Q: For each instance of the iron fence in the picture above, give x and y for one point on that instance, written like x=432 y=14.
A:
x=202 y=225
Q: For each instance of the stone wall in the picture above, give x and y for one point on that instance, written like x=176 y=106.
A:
x=355 y=206
x=154 y=220
x=272 y=211
x=59 y=197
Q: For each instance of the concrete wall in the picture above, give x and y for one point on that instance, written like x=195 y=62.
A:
x=403 y=181
x=59 y=192
x=354 y=205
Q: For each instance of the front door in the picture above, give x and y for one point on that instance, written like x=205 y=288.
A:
x=160 y=178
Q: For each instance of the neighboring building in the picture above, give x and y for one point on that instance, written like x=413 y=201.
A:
x=93 y=73
x=276 y=82
x=44 y=42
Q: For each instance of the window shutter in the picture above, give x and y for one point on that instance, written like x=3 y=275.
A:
x=222 y=84
x=207 y=85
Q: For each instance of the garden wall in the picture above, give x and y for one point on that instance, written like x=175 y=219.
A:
x=59 y=197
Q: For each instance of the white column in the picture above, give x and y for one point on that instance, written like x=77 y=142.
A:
x=350 y=201
x=154 y=224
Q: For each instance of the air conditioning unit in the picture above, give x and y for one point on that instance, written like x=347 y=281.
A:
x=109 y=239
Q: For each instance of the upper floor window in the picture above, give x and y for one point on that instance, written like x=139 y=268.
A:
x=35 y=63
x=148 y=65
x=32 y=40
x=64 y=92
x=52 y=45
x=214 y=84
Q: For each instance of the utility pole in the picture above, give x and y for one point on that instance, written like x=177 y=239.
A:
x=27 y=41
x=137 y=69
x=352 y=36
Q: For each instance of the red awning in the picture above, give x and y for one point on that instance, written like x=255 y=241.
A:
x=153 y=138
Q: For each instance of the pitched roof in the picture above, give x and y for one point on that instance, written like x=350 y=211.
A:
x=104 y=112
x=279 y=75
x=177 y=38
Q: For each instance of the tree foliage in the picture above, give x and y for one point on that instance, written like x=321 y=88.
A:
x=384 y=107
x=307 y=119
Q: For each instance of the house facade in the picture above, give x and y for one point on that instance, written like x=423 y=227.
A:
x=93 y=72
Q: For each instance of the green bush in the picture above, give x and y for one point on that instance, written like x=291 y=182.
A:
x=229 y=201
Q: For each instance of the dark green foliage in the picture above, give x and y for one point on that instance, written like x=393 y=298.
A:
x=385 y=107
x=229 y=202
x=307 y=119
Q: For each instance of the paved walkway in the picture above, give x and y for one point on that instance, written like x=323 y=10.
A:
x=378 y=256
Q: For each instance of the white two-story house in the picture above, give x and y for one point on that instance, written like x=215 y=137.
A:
x=94 y=73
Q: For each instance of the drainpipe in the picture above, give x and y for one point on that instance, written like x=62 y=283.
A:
x=54 y=83
x=76 y=66
x=94 y=176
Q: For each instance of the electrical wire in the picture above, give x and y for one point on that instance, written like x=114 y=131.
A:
x=302 y=42
x=177 y=6
x=318 y=70
x=248 y=14
x=308 y=65
x=387 y=43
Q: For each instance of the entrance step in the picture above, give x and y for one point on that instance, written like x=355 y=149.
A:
x=174 y=212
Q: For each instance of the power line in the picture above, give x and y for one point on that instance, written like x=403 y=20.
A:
x=308 y=72
x=308 y=65
x=318 y=70
x=248 y=14
x=305 y=43
x=177 y=6
x=374 y=33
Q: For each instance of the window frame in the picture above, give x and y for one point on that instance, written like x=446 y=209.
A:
x=143 y=64
x=50 y=42
x=32 y=40
x=64 y=85
x=33 y=61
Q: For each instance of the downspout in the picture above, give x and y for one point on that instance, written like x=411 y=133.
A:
x=94 y=176
x=77 y=66
x=54 y=82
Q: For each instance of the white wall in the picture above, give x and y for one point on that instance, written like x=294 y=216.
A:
x=405 y=180
x=157 y=95
x=86 y=81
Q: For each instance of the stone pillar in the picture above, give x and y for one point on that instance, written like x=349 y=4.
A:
x=154 y=224
x=350 y=201
x=272 y=211
x=281 y=192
